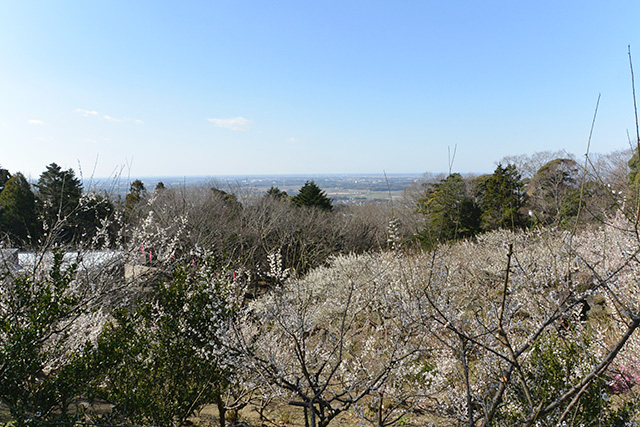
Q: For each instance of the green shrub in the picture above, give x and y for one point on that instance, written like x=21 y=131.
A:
x=163 y=360
x=39 y=374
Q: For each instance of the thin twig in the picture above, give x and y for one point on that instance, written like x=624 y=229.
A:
x=635 y=110
x=503 y=335
x=635 y=107
x=572 y=404
x=452 y=159
x=465 y=366
x=504 y=290
x=584 y=171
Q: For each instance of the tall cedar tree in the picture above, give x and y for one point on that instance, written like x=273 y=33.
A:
x=137 y=192
x=59 y=193
x=312 y=196
x=502 y=197
x=449 y=211
x=18 y=216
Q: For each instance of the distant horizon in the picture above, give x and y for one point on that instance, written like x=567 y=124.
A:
x=266 y=175
x=337 y=186
x=280 y=175
x=310 y=176
x=120 y=176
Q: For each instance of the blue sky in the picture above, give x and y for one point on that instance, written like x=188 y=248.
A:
x=159 y=88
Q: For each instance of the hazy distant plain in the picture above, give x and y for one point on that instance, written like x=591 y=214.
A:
x=341 y=188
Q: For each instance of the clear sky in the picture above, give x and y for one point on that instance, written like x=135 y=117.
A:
x=175 y=88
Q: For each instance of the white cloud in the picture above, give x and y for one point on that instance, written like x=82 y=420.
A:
x=234 y=123
x=90 y=140
x=86 y=113
x=293 y=140
x=36 y=122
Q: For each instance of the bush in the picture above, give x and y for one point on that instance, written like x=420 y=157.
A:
x=39 y=370
x=164 y=359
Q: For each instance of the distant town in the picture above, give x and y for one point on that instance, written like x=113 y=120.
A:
x=341 y=188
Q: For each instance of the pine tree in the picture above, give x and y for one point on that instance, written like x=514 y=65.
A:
x=311 y=195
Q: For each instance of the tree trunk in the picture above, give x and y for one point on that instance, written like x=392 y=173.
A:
x=313 y=415
x=222 y=410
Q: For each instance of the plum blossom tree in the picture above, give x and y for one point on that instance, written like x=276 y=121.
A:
x=332 y=340
x=500 y=314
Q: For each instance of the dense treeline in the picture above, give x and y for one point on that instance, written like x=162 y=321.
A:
x=546 y=188
x=303 y=228
x=57 y=208
x=502 y=299
x=560 y=193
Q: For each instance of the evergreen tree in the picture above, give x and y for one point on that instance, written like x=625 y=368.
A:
x=95 y=209
x=634 y=177
x=59 y=194
x=553 y=192
x=160 y=360
x=311 y=195
x=137 y=192
x=449 y=211
x=276 y=193
x=5 y=175
x=35 y=316
x=229 y=200
x=18 y=217
x=501 y=198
